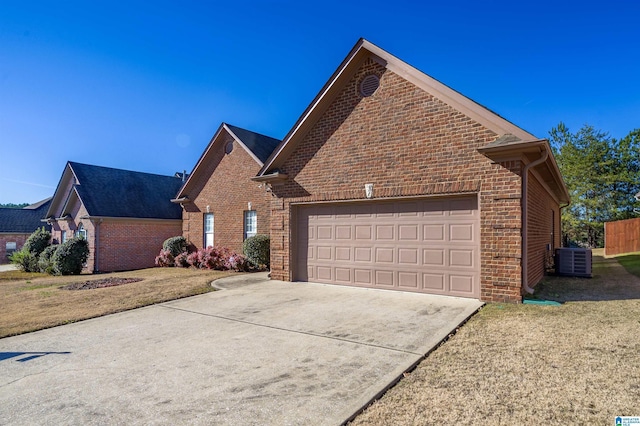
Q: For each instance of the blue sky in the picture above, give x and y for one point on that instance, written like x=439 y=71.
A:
x=144 y=85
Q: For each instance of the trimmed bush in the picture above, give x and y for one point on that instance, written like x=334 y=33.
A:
x=176 y=245
x=38 y=241
x=45 y=262
x=182 y=260
x=70 y=257
x=165 y=258
x=257 y=250
x=25 y=260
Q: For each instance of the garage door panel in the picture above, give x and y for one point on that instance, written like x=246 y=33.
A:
x=343 y=253
x=362 y=277
x=428 y=245
x=433 y=257
x=385 y=232
x=362 y=254
x=408 y=256
x=363 y=232
x=408 y=232
x=384 y=278
x=384 y=254
x=343 y=275
x=461 y=258
x=324 y=253
x=324 y=273
x=461 y=283
x=408 y=280
x=433 y=282
x=324 y=232
x=461 y=232
x=435 y=232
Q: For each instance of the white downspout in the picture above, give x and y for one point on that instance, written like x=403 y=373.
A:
x=525 y=178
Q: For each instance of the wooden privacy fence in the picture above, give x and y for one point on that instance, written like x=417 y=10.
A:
x=622 y=236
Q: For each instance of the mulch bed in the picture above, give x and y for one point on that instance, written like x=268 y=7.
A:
x=101 y=283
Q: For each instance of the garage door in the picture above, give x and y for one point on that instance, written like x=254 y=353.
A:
x=425 y=245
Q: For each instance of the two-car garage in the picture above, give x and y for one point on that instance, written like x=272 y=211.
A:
x=428 y=245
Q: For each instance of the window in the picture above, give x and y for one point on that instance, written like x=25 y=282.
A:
x=63 y=237
x=250 y=223
x=81 y=232
x=208 y=229
x=11 y=246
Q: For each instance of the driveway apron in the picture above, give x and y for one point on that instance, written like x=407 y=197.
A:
x=265 y=353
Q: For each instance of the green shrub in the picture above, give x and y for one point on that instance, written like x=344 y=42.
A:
x=175 y=245
x=70 y=257
x=45 y=261
x=38 y=241
x=257 y=250
x=25 y=260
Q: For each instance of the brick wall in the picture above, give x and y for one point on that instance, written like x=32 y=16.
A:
x=543 y=229
x=407 y=143
x=19 y=239
x=223 y=183
x=123 y=244
x=127 y=244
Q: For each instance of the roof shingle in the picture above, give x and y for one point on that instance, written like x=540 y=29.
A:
x=108 y=192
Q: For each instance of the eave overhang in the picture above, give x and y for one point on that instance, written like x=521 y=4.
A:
x=274 y=177
x=530 y=150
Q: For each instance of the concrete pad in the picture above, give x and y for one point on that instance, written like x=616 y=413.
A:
x=264 y=353
x=8 y=267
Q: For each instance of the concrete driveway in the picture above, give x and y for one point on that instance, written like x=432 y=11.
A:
x=268 y=352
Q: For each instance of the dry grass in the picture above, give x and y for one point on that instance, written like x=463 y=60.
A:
x=525 y=364
x=35 y=301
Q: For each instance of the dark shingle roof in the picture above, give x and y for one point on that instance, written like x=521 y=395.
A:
x=26 y=220
x=122 y=193
x=262 y=146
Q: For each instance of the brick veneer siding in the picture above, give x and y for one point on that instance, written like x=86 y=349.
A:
x=127 y=244
x=123 y=243
x=71 y=225
x=19 y=239
x=543 y=229
x=407 y=143
x=224 y=184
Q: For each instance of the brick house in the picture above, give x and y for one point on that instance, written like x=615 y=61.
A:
x=221 y=205
x=17 y=224
x=124 y=215
x=392 y=180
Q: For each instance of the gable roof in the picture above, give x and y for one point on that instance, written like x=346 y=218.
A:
x=362 y=51
x=109 y=192
x=25 y=220
x=258 y=146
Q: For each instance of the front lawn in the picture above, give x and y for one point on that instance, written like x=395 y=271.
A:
x=30 y=302
x=577 y=363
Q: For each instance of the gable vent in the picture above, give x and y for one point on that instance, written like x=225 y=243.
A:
x=369 y=85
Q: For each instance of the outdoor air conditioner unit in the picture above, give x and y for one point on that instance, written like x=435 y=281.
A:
x=573 y=262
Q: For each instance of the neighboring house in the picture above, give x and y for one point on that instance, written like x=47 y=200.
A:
x=17 y=224
x=125 y=216
x=222 y=206
x=392 y=180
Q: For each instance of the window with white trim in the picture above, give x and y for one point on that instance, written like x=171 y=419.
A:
x=63 y=237
x=250 y=223
x=81 y=232
x=10 y=247
x=208 y=230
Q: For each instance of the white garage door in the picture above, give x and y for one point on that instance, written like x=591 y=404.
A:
x=421 y=245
